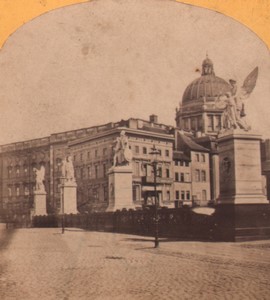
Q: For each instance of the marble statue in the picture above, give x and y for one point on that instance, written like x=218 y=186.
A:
x=122 y=152
x=39 y=179
x=233 y=103
x=68 y=169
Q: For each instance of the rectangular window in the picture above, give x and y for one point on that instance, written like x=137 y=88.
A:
x=182 y=177
x=95 y=194
x=168 y=173
x=197 y=157
x=181 y=163
x=137 y=149
x=167 y=153
x=186 y=163
x=136 y=192
x=9 y=191
x=104 y=170
x=168 y=196
x=177 y=195
x=89 y=172
x=26 y=190
x=182 y=195
x=203 y=157
x=200 y=123
x=105 y=151
x=197 y=175
x=159 y=172
x=193 y=124
x=210 y=123
x=17 y=191
x=96 y=153
x=188 y=195
x=176 y=176
x=203 y=176
x=88 y=155
x=144 y=150
x=218 y=123
x=96 y=171
x=176 y=163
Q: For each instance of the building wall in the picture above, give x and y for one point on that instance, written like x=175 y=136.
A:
x=200 y=177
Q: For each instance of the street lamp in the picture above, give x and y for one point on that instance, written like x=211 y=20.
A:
x=62 y=182
x=155 y=152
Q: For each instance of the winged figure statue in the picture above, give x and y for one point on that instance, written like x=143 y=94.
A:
x=233 y=102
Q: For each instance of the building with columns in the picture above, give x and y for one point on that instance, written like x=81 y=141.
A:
x=188 y=164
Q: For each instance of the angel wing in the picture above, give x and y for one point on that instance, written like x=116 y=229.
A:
x=249 y=84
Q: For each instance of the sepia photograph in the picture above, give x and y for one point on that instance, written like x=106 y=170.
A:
x=134 y=150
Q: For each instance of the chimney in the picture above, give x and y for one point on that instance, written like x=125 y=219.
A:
x=153 y=118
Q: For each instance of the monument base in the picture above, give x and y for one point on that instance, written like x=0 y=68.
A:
x=40 y=208
x=70 y=198
x=240 y=168
x=242 y=222
x=120 y=188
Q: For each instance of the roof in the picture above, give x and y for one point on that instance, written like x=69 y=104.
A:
x=186 y=143
x=179 y=155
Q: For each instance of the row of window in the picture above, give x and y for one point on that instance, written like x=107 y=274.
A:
x=200 y=175
x=185 y=195
x=181 y=163
x=145 y=150
x=88 y=155
x=16 y=190
x=182 y=177
x=147 y=170
x=23 y=170
x=200 y=157
x=196 y=123
x=92 y=172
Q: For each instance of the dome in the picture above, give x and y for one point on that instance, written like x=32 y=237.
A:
x=208 y=85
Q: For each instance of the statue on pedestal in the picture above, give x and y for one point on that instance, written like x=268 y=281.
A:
x=68 y=169
x=122 y=153
x=39 y=178
x=233 y=104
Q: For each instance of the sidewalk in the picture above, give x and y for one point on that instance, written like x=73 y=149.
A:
x=45 y=264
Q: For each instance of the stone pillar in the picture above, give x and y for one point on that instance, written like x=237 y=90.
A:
x=240 y=168
x=69 y=194
x=40 y=203
x=120 y=188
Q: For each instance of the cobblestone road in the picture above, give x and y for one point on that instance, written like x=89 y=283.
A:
x=45 y=264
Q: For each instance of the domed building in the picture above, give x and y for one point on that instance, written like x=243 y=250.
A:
x=198 y=111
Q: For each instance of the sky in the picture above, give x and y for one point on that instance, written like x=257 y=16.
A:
x=107 y=60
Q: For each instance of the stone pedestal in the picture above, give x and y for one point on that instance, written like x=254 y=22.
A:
x=40 y=208
x=243 y=212
x=120 y=188
x=240 y=168
x=69 y=194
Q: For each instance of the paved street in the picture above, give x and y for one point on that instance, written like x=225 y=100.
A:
x=45 y=264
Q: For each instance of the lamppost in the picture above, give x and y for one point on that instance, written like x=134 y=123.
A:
x=62 y=182
x=155 y=152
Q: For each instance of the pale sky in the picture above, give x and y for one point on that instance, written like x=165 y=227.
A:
x=107 y=60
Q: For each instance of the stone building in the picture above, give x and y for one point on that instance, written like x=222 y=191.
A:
x=92 y=152
x=188 y=164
